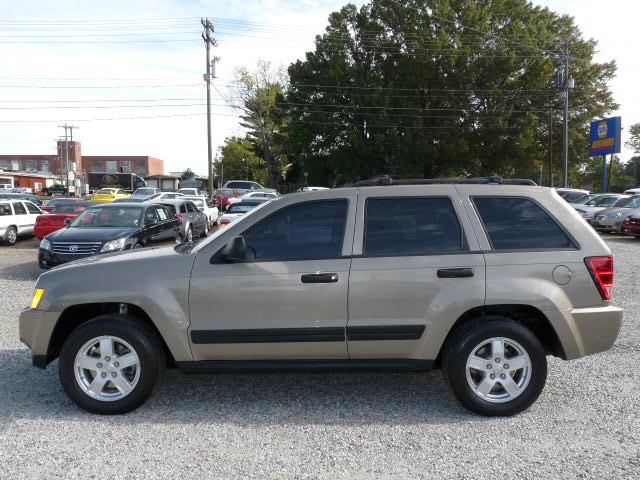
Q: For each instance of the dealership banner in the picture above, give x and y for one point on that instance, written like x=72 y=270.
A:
x=605 y=136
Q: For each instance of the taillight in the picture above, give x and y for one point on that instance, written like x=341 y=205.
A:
x=601 y=269
x=180 y=216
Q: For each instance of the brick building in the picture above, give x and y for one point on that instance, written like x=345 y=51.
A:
x=55 y=164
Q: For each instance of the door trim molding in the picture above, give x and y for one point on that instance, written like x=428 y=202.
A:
x=385 y=332
x=269 y=335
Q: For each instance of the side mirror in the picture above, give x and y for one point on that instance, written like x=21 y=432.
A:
x=67 y=221
x=151 y=221
x=235 y=249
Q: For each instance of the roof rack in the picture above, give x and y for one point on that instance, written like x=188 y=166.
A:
x=489 y=180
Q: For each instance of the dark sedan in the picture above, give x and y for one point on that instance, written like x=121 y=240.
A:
x=108 y=228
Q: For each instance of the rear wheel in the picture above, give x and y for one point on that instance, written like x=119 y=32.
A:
x=206 y=229
x=10 y=236
x=109 y=365
x=496 y=366
x=188 y=236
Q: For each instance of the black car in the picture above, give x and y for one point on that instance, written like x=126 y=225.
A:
x=56 y=189
x=108 y=228
x=194 y=222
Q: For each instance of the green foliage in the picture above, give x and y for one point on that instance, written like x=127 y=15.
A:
x=187 y=174
x=406 y=90
x=634 y=138
x=255 y=94
x=240 y=161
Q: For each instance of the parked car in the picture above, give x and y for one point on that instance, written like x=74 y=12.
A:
x=222 y=196
x=59 y=218
x=607 y=201
x=207 y=207
x=108 y=195
x=631 y=225
x=632 y=191
x=586 y=199
x=482 y=280
x=17 y=217
x=570 y=194
x=144 y=192
x=21 y=196
x=191 y=192
x=252 y=196
x=193 y=222
x=50 y=205
x=6 y=187
x=311 y=189
x=108 y=228
x=237 y=210
x=56 y=189
x=611 y=220
x=245 y=186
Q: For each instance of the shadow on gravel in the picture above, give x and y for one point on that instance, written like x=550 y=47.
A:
x=21 y=271
x=264 y=399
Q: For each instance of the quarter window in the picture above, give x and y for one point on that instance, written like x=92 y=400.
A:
x=162 y=213
x=411 y=226
x=32 y=208
x=310 y=230
x=519 y=224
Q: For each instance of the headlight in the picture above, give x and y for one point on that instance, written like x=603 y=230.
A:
x=45 y=244
x=614 y=216
x=114 y=245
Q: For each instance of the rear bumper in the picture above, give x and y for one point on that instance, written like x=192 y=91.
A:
x=585 y=331
x=632 y=229
x=35 y=328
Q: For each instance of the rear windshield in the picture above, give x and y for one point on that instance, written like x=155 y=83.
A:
x=104 y=191
x=172 y=208
x=633 y=202
x=608 y=201
x=69 y=208
x=237 y=208
x=223 y=192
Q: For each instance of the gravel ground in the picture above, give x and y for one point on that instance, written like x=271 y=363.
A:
x=586 y=424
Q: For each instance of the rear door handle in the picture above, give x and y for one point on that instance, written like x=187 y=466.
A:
x=455 y=272
x=319 y=278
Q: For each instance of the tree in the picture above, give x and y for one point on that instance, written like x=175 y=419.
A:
x=255 y=94
x=239 y=159
x=187 y=174
x=430 y=88
x=634 y=138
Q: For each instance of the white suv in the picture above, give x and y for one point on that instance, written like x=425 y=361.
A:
x=17 y=217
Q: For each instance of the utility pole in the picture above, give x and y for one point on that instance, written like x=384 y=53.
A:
x=65 y=170
x=208 y=76
x=568 y=83
x=550 y=135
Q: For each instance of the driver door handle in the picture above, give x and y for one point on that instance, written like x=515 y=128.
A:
x=455 y=272
x=319 y=278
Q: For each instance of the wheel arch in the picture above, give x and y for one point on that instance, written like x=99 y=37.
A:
x=74 y=316
x=530 y=317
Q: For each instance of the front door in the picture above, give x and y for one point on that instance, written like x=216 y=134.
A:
x=288 y=300
x=416 y=269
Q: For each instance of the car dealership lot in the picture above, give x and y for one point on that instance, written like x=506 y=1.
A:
x=335 y=425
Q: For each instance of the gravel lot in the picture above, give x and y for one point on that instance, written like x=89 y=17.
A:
x=586 y=424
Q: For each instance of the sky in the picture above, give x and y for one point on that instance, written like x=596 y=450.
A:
x=128 y=74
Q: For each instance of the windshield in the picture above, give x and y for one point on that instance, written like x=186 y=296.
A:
x=198 y=201
x=223 y=192
x=237 y=208
x=143 y=192
x=632 y=202
x=606 y=202
x=103 y=217
x=584 y=199
x=5 y=209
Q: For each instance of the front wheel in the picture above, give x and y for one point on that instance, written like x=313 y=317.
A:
x=109 y=365
x=496 y=366
x=205 y=232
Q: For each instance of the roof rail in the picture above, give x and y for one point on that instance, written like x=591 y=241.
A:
x=489 y=180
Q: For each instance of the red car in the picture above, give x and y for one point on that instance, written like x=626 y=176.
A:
x=50 y=222
x=56 y=202
x=631 y=226
x=222 y=195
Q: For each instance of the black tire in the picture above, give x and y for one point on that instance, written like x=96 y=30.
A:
x=188 y=235
x=460 y=345
x=140 y=336
x=205 y=230
x=137 y=245
x=10 y=236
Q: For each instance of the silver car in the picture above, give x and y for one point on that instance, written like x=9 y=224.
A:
x=610 y=220
x=607 y=200
x=483 y=280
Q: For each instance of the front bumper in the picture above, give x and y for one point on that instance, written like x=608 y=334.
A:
x=35 y=328
x=614 y=226
x=585 y=331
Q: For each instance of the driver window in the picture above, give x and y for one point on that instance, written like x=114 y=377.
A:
x=150 y=215
x=162 y=213
x=310 y=230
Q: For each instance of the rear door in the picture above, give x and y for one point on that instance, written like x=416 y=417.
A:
x=416 y=269
x=23 y=221
x=32 y=212
x=152 y=226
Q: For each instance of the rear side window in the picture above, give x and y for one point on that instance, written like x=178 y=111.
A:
x=183 y=208
x=32 y=208
x=411 y=226
x=519 y=224
x=18 y=207
x=190 y=207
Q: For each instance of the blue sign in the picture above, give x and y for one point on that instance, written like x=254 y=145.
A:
x=605 y=136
